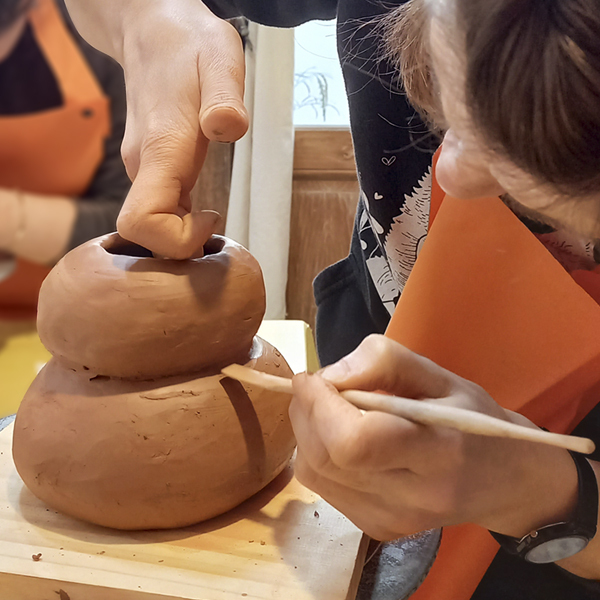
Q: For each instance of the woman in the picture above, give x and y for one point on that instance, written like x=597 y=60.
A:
x=62 y=117
x=389 y=475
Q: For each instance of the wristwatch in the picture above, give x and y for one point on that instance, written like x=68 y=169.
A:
x=561 y=540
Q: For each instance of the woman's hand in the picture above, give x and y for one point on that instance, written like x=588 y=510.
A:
x=184 y=72
x=392 y=477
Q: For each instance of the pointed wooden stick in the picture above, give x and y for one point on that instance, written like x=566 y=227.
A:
x=425 y=413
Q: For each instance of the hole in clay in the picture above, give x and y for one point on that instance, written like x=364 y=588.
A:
x=213 y=246
x=117 y=245
x=124 y=248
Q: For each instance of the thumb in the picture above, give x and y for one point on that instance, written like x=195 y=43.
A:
x=380 y=364
x=223 y=116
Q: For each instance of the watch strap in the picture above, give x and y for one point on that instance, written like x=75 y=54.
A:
x=583 y=521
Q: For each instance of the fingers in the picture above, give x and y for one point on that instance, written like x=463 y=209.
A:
x=152 y=215
x=363 y=508
x=185 y=67
x=163 y=151
x=223 y=116
x=379 y=363
x=168 y=235
x=339 y=441
x=313 y=408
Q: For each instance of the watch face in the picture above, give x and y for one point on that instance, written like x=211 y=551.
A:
x=554 y=550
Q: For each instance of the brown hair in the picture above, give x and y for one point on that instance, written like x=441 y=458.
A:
x=532 y=81
x=404 y=36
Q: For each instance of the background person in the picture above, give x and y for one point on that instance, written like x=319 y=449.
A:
x=387 y=474
x=62 y=119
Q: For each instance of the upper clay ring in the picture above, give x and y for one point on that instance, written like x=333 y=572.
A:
x=141 y=317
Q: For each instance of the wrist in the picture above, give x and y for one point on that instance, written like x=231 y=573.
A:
x=565 y=537
x=585 y=563
x=543 y=491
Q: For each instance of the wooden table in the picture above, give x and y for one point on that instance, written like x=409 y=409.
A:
x=21 y=357
x=284 y=543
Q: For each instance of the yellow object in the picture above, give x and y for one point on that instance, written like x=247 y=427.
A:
x=22 y=355
x=294 y=339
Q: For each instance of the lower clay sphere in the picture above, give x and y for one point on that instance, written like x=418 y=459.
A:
x=151 y=454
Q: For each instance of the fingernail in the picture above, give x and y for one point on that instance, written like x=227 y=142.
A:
x=336 y=372
x=301 y=376
x=212 y=216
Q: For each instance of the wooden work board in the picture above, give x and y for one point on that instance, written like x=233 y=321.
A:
x=284 y=543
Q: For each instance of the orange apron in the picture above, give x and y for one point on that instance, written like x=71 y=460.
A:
x=486 y=300
x=54 y=152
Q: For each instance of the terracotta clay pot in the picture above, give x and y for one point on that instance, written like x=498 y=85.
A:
x=167 y=451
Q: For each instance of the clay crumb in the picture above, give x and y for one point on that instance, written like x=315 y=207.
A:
x=316 y=514
x=101 y=552
x=161 y=561
x=251 y=541
x=36 y=557
x=63 y=595
x=262 y=542
x=244 y=594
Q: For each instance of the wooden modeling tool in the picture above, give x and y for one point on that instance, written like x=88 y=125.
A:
x=425 y=413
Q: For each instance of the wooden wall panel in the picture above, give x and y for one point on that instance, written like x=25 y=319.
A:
x=322 y=218
x=327 y=153
x=324 y=197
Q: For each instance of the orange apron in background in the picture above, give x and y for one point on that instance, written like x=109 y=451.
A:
x=487 y=301
x=54 y=152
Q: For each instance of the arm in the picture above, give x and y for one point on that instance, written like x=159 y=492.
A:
x=184 y=69
x=163 y=46
x=42 y=228
x=392 y=477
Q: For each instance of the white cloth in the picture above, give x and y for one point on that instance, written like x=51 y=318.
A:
x=261 y=188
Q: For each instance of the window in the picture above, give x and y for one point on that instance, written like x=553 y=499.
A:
x=319 y=94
